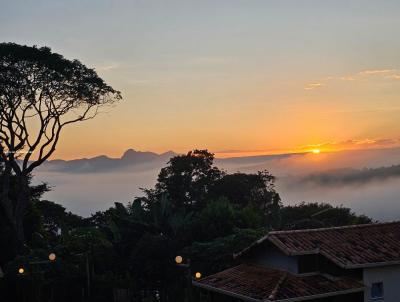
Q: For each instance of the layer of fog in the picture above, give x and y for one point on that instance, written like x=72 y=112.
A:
x=85 y=194
x=377 y=199
x=300 y=177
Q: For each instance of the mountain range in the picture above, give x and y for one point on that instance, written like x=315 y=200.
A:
x=278 y=164
x=104 y=163
x=368 y=181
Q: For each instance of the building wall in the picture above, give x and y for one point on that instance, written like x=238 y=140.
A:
x=269 y=256
x=390 y=276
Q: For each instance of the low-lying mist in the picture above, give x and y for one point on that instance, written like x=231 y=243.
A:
x=368 y=181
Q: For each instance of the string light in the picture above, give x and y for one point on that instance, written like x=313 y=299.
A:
x=52 y=257
x=178 y=259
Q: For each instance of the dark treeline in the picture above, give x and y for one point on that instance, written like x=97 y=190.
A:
x=195 y=210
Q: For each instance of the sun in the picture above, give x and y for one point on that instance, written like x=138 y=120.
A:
x=316 y=151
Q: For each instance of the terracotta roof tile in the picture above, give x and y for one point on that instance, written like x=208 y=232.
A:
x=352 y=246
x=257 y=283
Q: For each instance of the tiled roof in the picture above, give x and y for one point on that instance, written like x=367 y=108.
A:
x=348 y=247
x=257 y=283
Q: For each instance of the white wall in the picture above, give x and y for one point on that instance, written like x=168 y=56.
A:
x=390 y=276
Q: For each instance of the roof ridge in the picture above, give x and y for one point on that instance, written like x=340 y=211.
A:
x=250 y=284
x=274 y=238
x=274 y=292
x=333 y=228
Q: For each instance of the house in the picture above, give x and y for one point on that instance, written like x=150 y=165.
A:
x=351 y=263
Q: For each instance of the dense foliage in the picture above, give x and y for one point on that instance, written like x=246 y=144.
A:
x=195 y=210
x=41 y=93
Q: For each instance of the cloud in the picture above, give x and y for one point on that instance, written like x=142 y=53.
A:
x=312 y=86
x=353 y=144
x=350 y=144
x=388 y=74
x=393 y=76
x=347 y=78
x=348 y=176
x=227 y=151
x=107 y=66
x=376 y=72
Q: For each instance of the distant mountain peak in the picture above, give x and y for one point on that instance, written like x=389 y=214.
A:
x=131 y=153
x=169 y=153
x=103 y=163
x=128 y=152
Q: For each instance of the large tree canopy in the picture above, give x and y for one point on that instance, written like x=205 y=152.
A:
x=41 y=92
x=192 y=183
x=186 y=180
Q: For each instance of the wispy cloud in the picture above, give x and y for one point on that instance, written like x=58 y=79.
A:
x=393 y=76
x=376 y=72
x=366 y=143
x=388 y=74
x=247 y=152
x=107 y=66
x=346 y=78
x=329 y=146
x=312 y=86
x=347 y=177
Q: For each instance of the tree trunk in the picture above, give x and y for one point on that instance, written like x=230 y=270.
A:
x=7 y=209
x=20 y=211
x=5 y=191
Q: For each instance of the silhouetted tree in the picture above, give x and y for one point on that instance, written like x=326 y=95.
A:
x=56 y=219
x=317 y=215
x=186 y=180
x=31 y=219
x=247 y=191
x=40 y=93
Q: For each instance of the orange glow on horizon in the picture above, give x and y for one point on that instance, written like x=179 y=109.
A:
x=316 y=147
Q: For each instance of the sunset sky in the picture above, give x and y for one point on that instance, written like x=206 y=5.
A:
x=236 y=77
